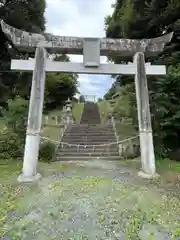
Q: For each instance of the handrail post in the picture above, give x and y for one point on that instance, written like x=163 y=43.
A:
x=115 y=132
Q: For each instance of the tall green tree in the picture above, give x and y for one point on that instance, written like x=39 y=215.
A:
x=137 y=19
x=29 y=16
x=26 y=15
x=59 y=86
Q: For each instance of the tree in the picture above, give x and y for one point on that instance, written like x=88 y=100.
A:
x=29 y=16
x=59 y=86
x=25 y=15
x=114 y=88
x=159 y=17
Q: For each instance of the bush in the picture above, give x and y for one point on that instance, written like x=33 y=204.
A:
x=125 y=106
x=16 y=116
x=46 y=151
x=11 y=146
x=13 y=137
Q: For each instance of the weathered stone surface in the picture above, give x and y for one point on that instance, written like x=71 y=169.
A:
x=74 y=45
x=105 y=69
x=31 y=151
x=144 y=117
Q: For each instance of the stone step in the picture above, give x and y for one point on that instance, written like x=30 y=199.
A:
x=91 y=125
x=90 y=132
x=97 y=142
x=90 y=128
x=105 y=133
x=90 y=113
x=86 y=158
x=87 y=149
x=90 y=143
x=86 y=154
x=84 y=138
x=97 y=153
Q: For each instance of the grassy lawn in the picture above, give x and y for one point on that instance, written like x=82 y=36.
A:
x=77 y=111
x=104 y=109
x=169 y=172
x=52 y=132
x=2 y=122
x=125 y=130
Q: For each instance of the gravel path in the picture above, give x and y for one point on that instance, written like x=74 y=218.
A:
x=94 y=200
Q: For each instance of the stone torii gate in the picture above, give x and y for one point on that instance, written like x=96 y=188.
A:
x=91 y=48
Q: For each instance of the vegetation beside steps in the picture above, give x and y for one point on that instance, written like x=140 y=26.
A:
x=104 y=110
x=77 y=111
x=13 y=129
x=50 y=131
x=119 y=107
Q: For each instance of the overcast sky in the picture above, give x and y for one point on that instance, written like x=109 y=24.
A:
x=83 y=18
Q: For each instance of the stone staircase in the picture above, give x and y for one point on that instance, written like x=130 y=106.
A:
x=84 y=139
x=90 y=114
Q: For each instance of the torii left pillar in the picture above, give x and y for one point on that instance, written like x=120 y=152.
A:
x=31 y=152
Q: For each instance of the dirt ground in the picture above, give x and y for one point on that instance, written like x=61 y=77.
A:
x=93 y=200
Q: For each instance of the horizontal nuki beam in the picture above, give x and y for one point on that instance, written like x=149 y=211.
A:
x=26 y=41
x=103 y=69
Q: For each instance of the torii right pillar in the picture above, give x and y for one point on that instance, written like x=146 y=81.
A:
x=144 y=119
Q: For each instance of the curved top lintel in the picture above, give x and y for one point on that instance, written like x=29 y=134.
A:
x=26 y=41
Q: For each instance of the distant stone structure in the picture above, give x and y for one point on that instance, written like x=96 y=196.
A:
x=67 y=117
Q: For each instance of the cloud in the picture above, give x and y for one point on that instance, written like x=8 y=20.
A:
x=82 y=18
x=96 y=84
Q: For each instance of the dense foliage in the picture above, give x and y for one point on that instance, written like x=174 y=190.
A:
x=47 y=151
x=29 y=15
x=148 y=19
x=13 y=136
x=15 y=87
x=59 y=86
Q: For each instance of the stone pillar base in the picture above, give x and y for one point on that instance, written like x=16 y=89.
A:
x=148 y=176
x=26 y=179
